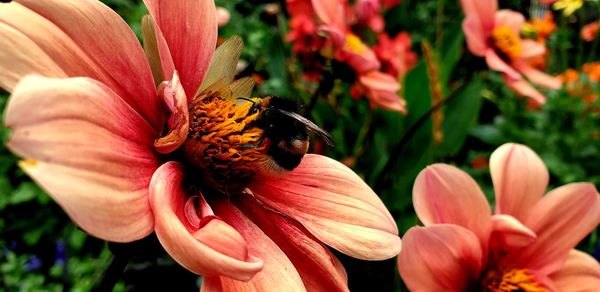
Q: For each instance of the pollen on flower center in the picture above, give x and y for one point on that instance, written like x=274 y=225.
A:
x=222 y=143
x=354 y=44
x=511 y=280
x=507 y=42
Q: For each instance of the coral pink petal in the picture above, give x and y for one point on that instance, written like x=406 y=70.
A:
x=82 y=38
x=441 y=257
x=540 y=78
x=335 y=205
x=190 y=30
x=523 y=88
x=446 y=194
x=89 y=150
x=379 y=81
x=520 y=179
x=531 y=49
x=279 y=274
x=175 y=99
x=319 y=269
x=581 y=273
x=512 y=19
x=561 y=219
x=508 y=233
x=331 y=13
x=497 y=64
x=482 y=10
x=192 y=234
x=475 y=36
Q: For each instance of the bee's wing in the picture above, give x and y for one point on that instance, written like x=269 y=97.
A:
x=310 y=125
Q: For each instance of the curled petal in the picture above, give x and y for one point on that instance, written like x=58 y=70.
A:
x=206 y=245
x=441 y=257
x=77 y=44
x=279 y=274
x=446 y=194
x=508 y=233
x=335 y=205
x=90 y=151
x=561 y=219
x=520 y=179
x=190 y=31
x=319 y=269
x=178 y=123
x=581 y=273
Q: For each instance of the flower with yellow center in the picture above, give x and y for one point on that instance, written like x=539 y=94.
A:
x=134 y=140
x=525 y=244
x=507 y=42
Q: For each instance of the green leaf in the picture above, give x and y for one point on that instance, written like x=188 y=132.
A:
x=459 y=115
x=27 y=191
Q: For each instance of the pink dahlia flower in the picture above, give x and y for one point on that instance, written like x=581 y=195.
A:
x=495 y=35
x=395 y=54
x=89 y=121
x=527 y=244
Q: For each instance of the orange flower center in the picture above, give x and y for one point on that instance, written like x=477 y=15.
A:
x=506 y=42
x=222 y=143
x=511 y=280
x=354 y=44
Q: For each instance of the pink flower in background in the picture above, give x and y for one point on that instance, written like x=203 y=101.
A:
x=381 y=89
x=526 y=244
x=223 y=16
x=368 y=12
x=395 y=54
x=88 y=120
x=495 y=35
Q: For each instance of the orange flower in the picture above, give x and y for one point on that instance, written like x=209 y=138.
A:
x=543 y=27
x=592 y=70
x=590 y=31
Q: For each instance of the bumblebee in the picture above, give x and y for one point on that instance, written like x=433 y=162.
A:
x=232 y=142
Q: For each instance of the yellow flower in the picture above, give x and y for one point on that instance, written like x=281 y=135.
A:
x=567 y=6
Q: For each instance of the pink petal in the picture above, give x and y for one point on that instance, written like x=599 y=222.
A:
x=91 y=152
x=446 y=194
x=523 y=88
x=279 y=274
x=382 y=91
x=475 y=36
x=73 y=35
x=561 y=219
x=497 y=64
x=440 y=257
x=540 y=78
x=193 y=235
x=508 y=233
x=190 y=30
x=520 y=179
x=335 y=205
x=531 y=49
x=319 y=269
x=512 y=19
x=484 y=11
x=581 y=272
x=178 y=123
x=331 y=13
